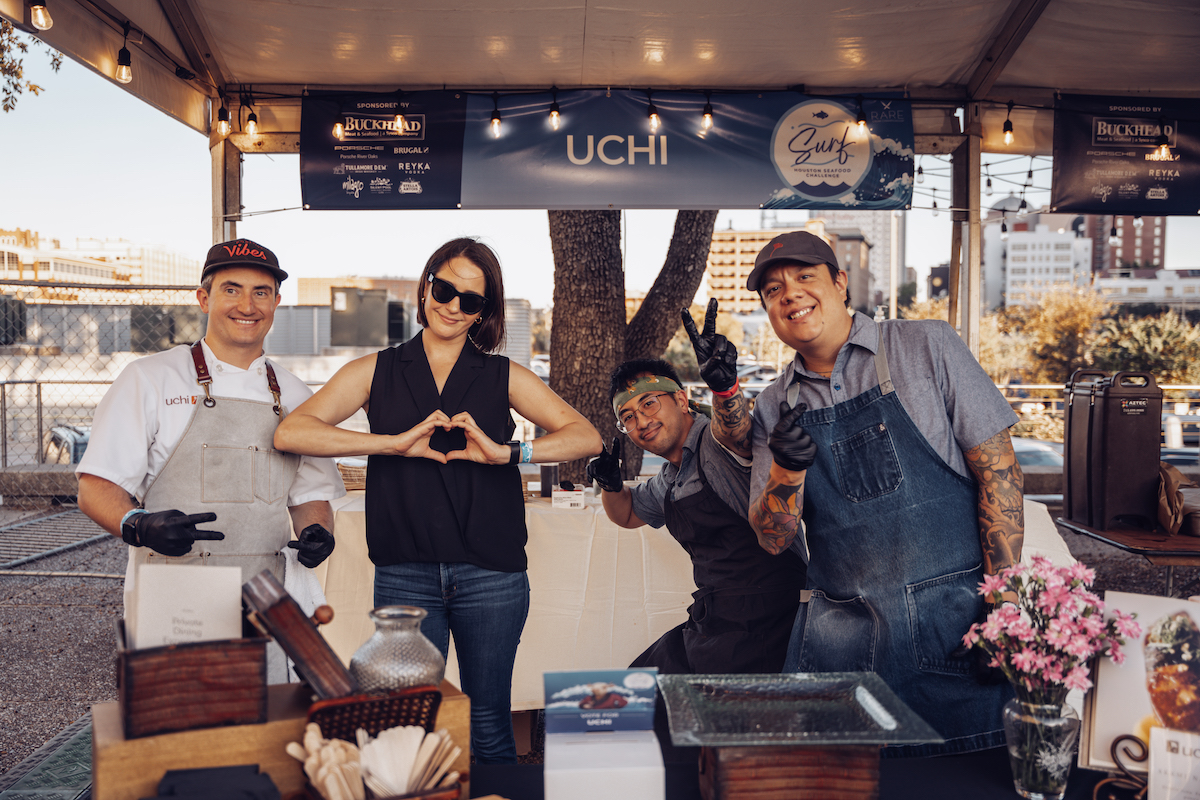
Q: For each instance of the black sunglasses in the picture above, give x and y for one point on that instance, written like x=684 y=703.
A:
x=468 y=302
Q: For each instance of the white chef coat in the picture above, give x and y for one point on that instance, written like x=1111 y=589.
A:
x=145 y=412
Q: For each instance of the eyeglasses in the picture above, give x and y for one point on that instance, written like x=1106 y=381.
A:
x=468 y=302
x=647 y=408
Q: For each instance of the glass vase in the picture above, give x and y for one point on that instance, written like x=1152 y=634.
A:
x=397 y=655
x=1041 y=747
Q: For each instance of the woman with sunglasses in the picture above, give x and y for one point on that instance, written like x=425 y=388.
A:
x=445 y=511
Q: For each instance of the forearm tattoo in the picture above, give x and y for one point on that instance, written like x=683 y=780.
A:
x=1001 y=501
x=731 y=423
x=775 y=517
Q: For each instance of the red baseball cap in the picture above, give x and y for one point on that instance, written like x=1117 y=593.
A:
x=798 y=246
x=241 y=253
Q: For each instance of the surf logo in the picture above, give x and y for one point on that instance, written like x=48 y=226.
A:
x=819 y=151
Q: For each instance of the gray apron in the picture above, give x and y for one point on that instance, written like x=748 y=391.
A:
x=226 y=463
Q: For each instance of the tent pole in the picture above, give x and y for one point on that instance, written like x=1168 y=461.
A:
x=967 y=163
x=226 y=189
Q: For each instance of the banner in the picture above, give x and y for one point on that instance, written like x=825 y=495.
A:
x=769 y=150
x=1107 y=159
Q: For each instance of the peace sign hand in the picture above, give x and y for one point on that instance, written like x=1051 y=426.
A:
x=715 y=354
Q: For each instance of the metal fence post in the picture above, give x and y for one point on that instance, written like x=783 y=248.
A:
x=41 y=456
x=4 y=422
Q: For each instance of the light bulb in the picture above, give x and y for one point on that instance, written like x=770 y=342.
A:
x=339 y=131
x=988 y=191
x=496 y=125
x=707 y=121
x=555 y=116
x=1138 y=222
x=252 y=124
x=1113 y=239
x=920 y=174
x=399 y=123
x=1008 y=131
x=1003 y=231
x=652 y=113
x=1022 y=209
x=935 y=208
x=40 y=17
x=124 y=73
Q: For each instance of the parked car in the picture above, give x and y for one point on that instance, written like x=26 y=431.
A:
x=67 y=444
x=1037 y=452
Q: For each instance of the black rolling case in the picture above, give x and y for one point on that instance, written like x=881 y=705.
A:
x=1112 y=431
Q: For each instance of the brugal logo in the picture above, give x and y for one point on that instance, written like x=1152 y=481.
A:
x=183 y=400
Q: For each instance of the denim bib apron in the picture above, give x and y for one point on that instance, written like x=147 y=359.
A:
x=741 y=615
x=894 y=566
x=226 y=463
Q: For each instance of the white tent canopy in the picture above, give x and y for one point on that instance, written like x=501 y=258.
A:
x=977 y=55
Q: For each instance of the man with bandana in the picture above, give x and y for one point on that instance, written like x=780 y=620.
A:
x=746 y=598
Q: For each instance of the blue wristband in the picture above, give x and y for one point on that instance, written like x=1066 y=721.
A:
x=526 y=452
x=128 y=532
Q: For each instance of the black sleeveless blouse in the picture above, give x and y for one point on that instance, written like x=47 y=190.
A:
x=423 y=511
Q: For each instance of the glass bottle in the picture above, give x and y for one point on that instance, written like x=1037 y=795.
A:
x=397 y=655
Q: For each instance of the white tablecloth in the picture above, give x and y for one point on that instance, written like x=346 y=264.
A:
x=599 y=594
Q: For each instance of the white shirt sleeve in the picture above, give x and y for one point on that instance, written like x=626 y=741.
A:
x=123 y=430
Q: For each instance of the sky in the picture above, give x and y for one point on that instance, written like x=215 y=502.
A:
x=87 y=159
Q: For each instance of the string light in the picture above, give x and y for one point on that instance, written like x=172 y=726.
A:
x=124 y=73
x=935 y=208
x=223 y=126
x=555 y=116
x=39 y=15
x=1003 y=230
x=987 y=170
x=1113 y=238
x=1008 y=128
x=706 y=121
x=652 y=113
x=1029 y=174
x=861 y=119
x=920 y=173
x=399 y=112
x=339 y=130
x=1138 y=222
x=1023 y=209
x=496 y=115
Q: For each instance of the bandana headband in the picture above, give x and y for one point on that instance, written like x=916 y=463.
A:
x=650 y=383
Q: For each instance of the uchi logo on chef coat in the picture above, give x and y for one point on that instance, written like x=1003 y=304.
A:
x=183 y=400
x=819 y=151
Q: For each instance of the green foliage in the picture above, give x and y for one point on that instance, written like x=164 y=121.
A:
x=13 y=47
x=907 y=294
x=1167 y=346
x=1060 y=331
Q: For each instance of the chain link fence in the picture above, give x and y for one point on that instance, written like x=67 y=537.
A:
x=61 y=346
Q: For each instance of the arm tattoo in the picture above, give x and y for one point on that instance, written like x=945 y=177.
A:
x=775 y=516
x=731 y=424
x=1001 y=501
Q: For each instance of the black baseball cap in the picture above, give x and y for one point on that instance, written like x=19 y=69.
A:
x=798 y=246
x=241 y=253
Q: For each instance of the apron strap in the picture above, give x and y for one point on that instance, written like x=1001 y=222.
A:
x=882 y=372
x=202 y=375
x=273 y=385
x=204 y=378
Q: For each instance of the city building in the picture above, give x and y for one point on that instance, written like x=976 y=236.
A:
x=1176 y=288
x=1021 y=266
x=880 y=229
x=1126 y=241
x=24 y=255
x=316 y=291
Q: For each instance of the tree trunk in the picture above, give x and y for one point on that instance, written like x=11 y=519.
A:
x=651 y=329
x=587 y=339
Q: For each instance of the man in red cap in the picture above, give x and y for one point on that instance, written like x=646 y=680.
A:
x=184 y=437
x=882 y=456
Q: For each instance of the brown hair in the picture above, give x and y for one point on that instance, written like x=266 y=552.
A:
x=489 y=334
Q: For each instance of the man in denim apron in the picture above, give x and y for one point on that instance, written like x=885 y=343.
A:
x=891 y=444
x=188 y=432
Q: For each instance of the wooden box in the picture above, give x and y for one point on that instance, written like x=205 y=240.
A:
x=181 y=687
x=128 y=769
x=789 y=773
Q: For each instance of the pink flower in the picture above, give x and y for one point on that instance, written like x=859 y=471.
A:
x=1053 y=597
x=1116 y=654
x=972 y=636
x=1021 y=630
x=1126 y=626
x=1024 y=660
x=1058 y=635
x=1081 y=572
x=1078 y=678
x=992 y=584
x=1080 y=646
x=992 y=628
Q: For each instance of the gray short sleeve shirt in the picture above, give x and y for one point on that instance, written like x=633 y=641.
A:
x=949 y=397
x=728 y=478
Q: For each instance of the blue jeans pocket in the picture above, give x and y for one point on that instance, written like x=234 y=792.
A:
x=939 y=612
x=867 y=465
x=839 y=635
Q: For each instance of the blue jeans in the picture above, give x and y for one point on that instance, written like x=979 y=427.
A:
x=486 y=612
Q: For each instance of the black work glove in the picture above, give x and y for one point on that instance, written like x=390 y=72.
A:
x=605 y=469
x=314 y=545
x=172 y=532
x=791 y=446
x=716 y=355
